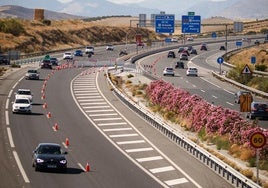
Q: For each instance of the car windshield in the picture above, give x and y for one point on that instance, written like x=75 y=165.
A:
x=67 y=53
x=32 y=71
x=169 y=69
x=53 y=150
x=22 y=92
x=53 y=59
x=22 y=101
x=261 y=106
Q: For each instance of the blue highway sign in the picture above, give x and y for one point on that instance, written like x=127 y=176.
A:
x=191 y=24
x=220 y=60
x=164 y=23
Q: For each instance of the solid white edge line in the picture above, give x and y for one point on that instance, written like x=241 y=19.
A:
x=113 y=143
x=17 y=159
x=10 y=138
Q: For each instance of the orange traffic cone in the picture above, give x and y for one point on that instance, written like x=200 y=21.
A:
x=43 y=97
x=56 y=127
x=87 y=169
x=45 y=105
x=48 y=115
x=67 y=142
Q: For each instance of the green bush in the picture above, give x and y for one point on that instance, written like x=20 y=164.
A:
x=261 y=67
x=11 y=26
x=47 y=22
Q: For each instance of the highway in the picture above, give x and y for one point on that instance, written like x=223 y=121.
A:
x=205 y=85
x=122 y=149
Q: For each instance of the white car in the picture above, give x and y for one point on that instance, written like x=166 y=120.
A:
x=168 y=71
x=22 y=105
x=89 y=50
x=68 y=55
x=25 y=94
x=190 y=39
x=192 y=71
x=110 y=47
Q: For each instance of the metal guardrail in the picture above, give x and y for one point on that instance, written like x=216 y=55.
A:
x=215 y=164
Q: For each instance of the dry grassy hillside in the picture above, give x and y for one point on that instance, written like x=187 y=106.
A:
x=37 y=36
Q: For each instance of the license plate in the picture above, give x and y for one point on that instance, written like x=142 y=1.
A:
x=51 y=166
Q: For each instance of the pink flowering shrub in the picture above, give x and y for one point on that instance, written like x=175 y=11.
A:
x=201 y=114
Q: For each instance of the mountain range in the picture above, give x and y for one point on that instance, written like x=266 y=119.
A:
x=232 y=9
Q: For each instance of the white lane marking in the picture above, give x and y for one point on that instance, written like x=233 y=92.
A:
x=210 y=82
x=95 y=107
x=7 y=118
x=117 y=129
x=194 y=85
x=10 y=93
x=230 y=103
x=85 y=91
x=89 y=97
x=162 y=169
x=17 y=159
x=131 y=142
x=123 y=135
x=107 y=119
x=145 y=159
x=84 y=88
x=81 y=166
x=7 y=103
x=111 y=124
x=10 y=138
x=176 y=181
x=92 y=103
x=98 y=115
x=90 y=100
x=214 y=96
x=107 y=110
x=87 y=94
x=202 y=90
x=228 y=91
x=138 y=150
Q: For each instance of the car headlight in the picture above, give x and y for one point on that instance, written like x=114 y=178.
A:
x=63 y=161
x=39 y=160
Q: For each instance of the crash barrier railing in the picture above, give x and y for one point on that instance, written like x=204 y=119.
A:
x=215 y=164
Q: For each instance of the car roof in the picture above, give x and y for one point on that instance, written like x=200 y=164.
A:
x=49 y=144
x=24 y=90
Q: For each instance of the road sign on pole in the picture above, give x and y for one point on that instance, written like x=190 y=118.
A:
x=164 y=23
x=191 y=24
x=253 y=59
x=246 y=70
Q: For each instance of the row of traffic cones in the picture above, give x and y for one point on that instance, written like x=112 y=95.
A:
x=56 y=126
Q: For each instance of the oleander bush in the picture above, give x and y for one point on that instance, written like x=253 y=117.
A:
x=223 y=127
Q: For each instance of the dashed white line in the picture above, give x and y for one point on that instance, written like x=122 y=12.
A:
x=92 y=103
x=117 y=129
x=202 y=90
x=123 y=135
x=98 y=115
x=95 y=107
x=90 y=100
x=149 y=159
x=107 y=119
x=230 y=103
x=10 y=138
x=7 y=103
x=7 y=118
x=176 y=181
x=108 y=124
x=214 y=96
x=107 y=110
x=162 y=169
x=131 y=142
x=138 y=150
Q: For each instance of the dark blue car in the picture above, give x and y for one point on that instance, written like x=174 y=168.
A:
x=78 y=53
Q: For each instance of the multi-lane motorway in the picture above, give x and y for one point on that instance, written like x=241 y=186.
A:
x=121 y=149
